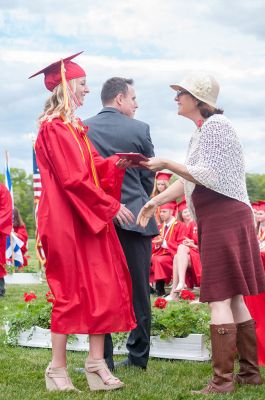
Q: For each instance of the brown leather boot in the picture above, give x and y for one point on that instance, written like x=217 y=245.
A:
x=223 y=339
x=246 y=342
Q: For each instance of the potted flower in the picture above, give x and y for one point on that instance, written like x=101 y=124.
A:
x=178 y=330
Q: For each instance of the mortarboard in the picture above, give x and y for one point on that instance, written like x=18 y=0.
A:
x=172 y=205
x=53 y=73
x=163 y=176
x=182 y=205
x=258 y=205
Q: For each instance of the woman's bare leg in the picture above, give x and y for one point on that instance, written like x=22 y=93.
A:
x=221 y=312
x=96 y=353
x=239 y=309
x=58 y=350
x=182 y=261
x=96 y=347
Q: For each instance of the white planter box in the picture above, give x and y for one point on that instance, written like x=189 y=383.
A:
x=190 y=348
x=23 y=278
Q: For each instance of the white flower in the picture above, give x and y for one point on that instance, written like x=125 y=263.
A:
x=202 y=86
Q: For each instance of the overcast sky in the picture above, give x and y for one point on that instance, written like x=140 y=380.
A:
x=152 y=41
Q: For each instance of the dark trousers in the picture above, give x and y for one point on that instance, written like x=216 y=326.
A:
x=137 y=250
x=2 y=286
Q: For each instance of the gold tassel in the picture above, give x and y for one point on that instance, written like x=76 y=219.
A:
x=64 y=83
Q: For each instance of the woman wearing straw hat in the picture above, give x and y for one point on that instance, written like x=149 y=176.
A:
x=213 y=179
x=86 y=268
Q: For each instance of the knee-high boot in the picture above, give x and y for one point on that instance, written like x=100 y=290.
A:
x=249 y=373
x=223 y=340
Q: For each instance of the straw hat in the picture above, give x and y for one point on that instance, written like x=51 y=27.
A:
x=201 y=85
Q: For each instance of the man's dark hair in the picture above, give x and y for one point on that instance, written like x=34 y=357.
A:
x=112 y=87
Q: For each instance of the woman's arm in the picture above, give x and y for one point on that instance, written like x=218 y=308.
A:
x=171 y=193
x=156 y=164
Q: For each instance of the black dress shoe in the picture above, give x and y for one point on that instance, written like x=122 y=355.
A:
x=127 y=364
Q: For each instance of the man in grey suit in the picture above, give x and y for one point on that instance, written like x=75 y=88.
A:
x=112 y=131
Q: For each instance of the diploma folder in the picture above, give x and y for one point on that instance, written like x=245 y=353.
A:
x=135 y=157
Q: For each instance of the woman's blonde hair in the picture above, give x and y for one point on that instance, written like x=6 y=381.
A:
x=55 y=105
x=155 y=191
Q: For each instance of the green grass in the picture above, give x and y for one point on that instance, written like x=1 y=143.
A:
x=22 y=371
x=33 y=262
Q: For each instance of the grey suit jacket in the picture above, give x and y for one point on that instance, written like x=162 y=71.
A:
x=113 y=132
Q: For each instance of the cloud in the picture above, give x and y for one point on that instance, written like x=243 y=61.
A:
x=155 y=43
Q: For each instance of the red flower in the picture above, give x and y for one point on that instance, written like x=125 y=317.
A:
x=199 y=123
x=160 y=303
x=29 y=296
x=49 y=297
x=187 y=295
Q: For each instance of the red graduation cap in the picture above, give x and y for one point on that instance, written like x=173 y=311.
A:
x=182 y=205
x=163 y=176
x=262 y=205
x=53 y=75
x=255 y=205
x=259 y=205
x=172 y=205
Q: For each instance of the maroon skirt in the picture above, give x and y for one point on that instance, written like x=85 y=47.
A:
x=230 y=254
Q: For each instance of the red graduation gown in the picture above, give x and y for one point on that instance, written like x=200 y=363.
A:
x=86 y=268
x=256 y=306
x=196 y=268
x=5 y=225
x=22 y=234
x=162 y=259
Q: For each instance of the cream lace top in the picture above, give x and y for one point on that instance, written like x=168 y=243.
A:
x=215 y=159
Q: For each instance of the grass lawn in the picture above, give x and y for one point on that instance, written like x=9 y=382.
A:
x=33 y=262
x=22 y=369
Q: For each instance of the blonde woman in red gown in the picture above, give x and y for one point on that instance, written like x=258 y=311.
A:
x=164 y=247
x=161 y=183
x=85 y=268
x=187 y=264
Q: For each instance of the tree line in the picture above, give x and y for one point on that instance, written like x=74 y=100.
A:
x=23 y=193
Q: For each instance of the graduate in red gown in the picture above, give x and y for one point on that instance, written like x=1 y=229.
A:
x=5 y=230
x=161 y=183
x=260 y=218
x=85 y=268
x=186 y=264
x=21 y=232
x=164 y=247
x=256 y=304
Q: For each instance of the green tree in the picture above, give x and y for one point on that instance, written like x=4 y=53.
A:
x=256 y=186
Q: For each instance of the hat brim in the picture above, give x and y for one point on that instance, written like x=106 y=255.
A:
x=176 y=86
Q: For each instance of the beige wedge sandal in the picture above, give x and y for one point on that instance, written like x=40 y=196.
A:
x=58 y=379
x=99 y=376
